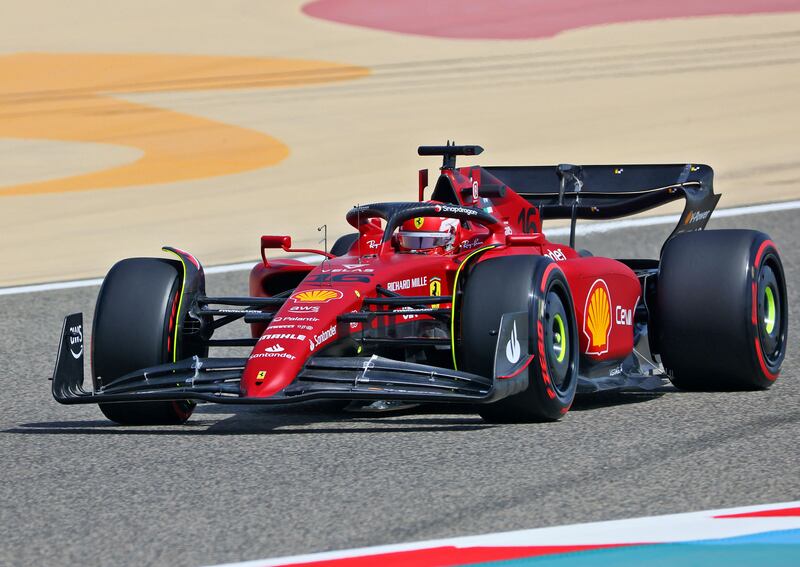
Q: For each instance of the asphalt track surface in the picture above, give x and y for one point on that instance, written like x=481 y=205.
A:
x=245 y=483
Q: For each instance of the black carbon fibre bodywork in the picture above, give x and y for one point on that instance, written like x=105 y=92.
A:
x=217 y=380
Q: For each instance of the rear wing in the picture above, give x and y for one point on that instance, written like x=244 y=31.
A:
x=610 y=191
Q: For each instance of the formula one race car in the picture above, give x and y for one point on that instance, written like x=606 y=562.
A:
x=459 y=299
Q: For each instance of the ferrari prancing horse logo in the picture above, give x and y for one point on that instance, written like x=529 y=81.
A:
x=435 y=288
x=419 y=221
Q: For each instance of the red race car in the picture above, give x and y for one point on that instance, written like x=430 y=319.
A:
x=460 y=298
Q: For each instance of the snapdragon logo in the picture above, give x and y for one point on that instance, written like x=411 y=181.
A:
x=458 y=210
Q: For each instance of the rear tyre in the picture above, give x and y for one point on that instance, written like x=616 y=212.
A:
x=134 y=326
x=721 y=310
x=536 y=285
x=343 y=244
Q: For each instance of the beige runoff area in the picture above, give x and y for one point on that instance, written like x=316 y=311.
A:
x=717 y=90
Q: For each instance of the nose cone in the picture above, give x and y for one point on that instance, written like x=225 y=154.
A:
x=303 y=325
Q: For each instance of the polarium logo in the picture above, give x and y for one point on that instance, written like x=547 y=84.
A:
x=597 y=318
x=317 y=295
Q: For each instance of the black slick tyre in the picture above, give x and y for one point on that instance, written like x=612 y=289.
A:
x=536 y=285
x=721 y=313
x=343 y=244
x=133 y=328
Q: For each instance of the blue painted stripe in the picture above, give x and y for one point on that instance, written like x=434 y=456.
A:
x=791 y=537
x=668 y=555
x=775 y=549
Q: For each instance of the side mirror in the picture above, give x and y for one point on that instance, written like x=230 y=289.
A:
x=285 y=242
x=267 y=241
x=276 y=242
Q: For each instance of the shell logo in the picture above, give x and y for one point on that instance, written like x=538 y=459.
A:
x=597 y=318
x=317 y=296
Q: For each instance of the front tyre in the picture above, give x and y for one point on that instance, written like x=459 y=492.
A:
x=134 y=327
x=722 y=310
x=537 y=286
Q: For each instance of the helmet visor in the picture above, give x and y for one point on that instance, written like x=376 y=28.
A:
x=424 y=240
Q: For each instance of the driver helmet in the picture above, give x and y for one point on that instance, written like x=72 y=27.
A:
x=428 y=235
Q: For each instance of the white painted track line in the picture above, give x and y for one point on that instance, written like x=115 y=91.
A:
x=598 y=227
x=669 y=219
x=33 y=288
x=684 y=527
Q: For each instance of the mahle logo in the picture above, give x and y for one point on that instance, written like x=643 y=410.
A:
x=597 y=318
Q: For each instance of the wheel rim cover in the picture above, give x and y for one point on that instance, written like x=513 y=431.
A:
x=560 y=339
x=769 y=315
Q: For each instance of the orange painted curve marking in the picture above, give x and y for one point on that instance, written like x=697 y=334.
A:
x=70 y=97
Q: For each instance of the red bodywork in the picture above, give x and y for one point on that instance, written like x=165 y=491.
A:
x=605 y=292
